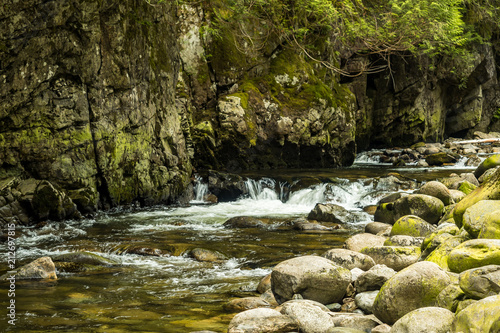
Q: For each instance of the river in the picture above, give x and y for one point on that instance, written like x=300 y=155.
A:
x=175 y=293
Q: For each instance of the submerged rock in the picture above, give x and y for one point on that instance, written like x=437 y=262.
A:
x=200 y=254
x=244 y=222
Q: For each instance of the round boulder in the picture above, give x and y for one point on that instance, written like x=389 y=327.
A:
x=425 y=320
x=395 y=257
x=437 y=190
x=349 y=259
x=411 y=225
x=414 y=287
x=481 y=316
x=374 y=278
x=359 y=241
x=244 y=222
x=476 y=215
x=474 y=253
x=315 y=278
x=424 y=206
x=490 y=227
x=365 y=300
x=377 y=227
x=261 y=320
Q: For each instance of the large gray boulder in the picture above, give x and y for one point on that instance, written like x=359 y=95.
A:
x=425 y=320
x=414 y=287
x=437 y=190
x=329 y=213
x=312 y=317
x=349 y=259
x=261 y=320
x=315 y=278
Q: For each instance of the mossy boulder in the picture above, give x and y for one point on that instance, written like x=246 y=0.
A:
x=489 y=190
x=448 y=229
x=424 y=206
x=404 y=240
x=475 y=216
x=479 y=317
x=490 y=162
x=474 y=253
x=414 y=287
x=481 y=282
x=411 y=225
x=466 y=187
x=395 y=257
x=490 y=225
x=428 y=319
x=440 y=255
x=313 y=277
x=450 y=297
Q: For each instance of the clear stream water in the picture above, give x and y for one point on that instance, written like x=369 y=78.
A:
x=177 y=293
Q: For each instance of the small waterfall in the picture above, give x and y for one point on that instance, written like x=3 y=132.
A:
x=200 y=189
x=262 y=189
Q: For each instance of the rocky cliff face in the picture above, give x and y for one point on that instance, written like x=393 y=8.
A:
x=87 y=105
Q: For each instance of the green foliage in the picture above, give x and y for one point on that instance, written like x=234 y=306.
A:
x=381 y=27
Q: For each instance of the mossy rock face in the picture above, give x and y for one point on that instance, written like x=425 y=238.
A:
x=481 y=282
x=395 y=257
x=411 y=225
x=476 y=215
x=449 y=228
x=490 y=162
x=416 y=286
x=428 y=319
x=490 y=225
x=481 y=316
x=489 y=190
x=474 y=253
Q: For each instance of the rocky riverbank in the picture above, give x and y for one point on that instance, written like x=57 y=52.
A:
x=429 y=263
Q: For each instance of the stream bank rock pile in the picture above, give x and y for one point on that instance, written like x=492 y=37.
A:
x=429 y=263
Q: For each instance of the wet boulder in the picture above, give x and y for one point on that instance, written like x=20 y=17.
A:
x=264 y=284
x=475 y=216
x=424 y=320
x=246 y=303
x=261 y=320
x=329 y=213
x=414 y=287
x=441 y=158
x=481 y=282
x=481 y=316
x=437 y=190
x=312 y=317
x=360 y=241
x=226 y=186
x=424 y=206
x=395 y=257
x=41 y=268
x=201 y=254
x=313 y=277
x=349 y=259
x=82 y=262
x=411 y=225
x=244 y=222
x=374 y=278
x=474 y=253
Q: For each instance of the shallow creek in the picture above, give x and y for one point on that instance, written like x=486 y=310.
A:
x=176 y=293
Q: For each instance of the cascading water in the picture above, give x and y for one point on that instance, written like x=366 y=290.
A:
x=200 y=190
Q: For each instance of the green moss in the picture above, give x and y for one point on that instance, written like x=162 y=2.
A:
x=243 y=99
